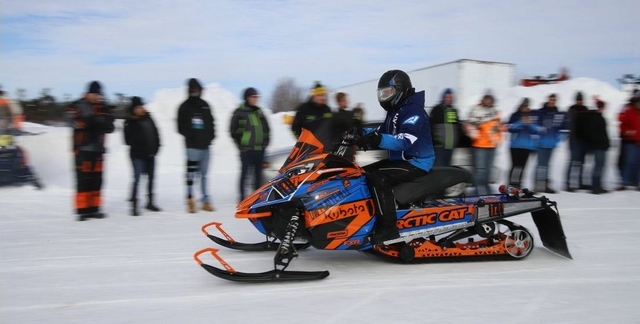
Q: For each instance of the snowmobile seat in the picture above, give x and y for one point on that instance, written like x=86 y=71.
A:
x=431 y=185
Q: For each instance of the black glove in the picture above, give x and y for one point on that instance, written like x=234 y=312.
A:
x=369 y=141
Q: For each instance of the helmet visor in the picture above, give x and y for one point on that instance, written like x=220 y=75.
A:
x=386 y=93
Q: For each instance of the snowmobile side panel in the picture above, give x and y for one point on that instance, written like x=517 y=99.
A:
x=551 y=232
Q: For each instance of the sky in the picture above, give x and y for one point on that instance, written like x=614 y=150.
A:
x=139 y=47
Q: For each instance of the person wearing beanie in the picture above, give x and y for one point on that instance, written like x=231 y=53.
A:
x=445 y=128
x=315 y=116
x=196 y=125
x=141 y=134
x=552 y=125
x=596 y=143
x=577 y=146
x=249 y=130
x=523 y=128
x=344 y=120
x=90 y=120
x=484 y=127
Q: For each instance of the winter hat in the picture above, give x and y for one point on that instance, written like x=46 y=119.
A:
x=578 y=96
x=318 y=89
x=135 y=102
x=249 y=92
x=446 y=92
x=194 y=84
x=525 y=102
x=95 y=87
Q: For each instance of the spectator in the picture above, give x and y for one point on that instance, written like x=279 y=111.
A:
x=630 y=130
x=250 y=131
x=597 y=143
x=577 y=145
x=522 y=126
x=343 y=121
x=196 y=124
x=141 y=134
x=445 y=127
x=11 y=115
x=315 y=116
x=90 y=120
x=552 y=125
x=623 y=141
x=485 y=129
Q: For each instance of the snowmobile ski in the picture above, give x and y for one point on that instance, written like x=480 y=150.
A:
x=229 y=273
x=230 y=243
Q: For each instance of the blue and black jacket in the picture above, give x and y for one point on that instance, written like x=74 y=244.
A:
x=553 y=127
x=406 y=133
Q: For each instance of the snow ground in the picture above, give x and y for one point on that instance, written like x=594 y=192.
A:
x=140 y=270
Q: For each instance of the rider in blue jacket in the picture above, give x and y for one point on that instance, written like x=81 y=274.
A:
x=406 y=134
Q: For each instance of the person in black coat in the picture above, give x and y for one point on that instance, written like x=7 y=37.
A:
x=597 y=143
x=91 y=119
x=577 y=144
x=196 y=124
x=445 y=128
x=141 y=134
x=343 y=121
x=315 y=116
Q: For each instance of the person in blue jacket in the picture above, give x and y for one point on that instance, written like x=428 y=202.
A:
x=523 y=128
x=553 y=126
x=406 y=134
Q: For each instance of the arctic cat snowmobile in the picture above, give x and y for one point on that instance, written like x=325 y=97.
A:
x=322 y=200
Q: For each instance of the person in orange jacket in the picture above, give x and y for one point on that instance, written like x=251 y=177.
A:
x=485 y=128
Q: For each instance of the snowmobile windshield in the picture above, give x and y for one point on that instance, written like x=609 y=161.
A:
x=386 y=93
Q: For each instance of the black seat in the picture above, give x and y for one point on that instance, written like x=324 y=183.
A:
x=433 y=184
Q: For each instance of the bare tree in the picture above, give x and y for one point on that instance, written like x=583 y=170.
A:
x=287 y=95
x=21 y=93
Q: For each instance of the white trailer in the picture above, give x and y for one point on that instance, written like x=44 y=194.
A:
x=469 y=79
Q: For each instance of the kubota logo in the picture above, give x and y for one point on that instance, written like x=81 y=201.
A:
x=431 y=218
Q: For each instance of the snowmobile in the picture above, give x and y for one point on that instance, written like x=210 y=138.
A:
x=322 y=200
x=14 y=168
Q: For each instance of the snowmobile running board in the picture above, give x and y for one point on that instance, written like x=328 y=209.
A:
x=230 y=243
x=269 y=276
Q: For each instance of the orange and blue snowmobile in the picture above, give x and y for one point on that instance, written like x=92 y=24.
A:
x=322 y=200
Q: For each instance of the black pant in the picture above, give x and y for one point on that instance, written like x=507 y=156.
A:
x=88 y=182
x=143 y=166
x=250 y=160
x=519 y=159
x=382 y=176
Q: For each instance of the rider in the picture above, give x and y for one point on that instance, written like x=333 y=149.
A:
x=406 y=134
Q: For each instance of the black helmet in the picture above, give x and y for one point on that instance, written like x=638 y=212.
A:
x=393 y=87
